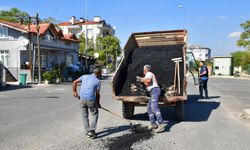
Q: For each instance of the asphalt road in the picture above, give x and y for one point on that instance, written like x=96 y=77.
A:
x=47 y=117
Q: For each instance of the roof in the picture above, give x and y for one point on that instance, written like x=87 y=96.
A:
x=80 y=23
x=71 y=37
x=14 y=25
x=44 y=27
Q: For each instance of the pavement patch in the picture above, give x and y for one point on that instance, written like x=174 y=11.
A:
x=126 y=141
x=245 y=114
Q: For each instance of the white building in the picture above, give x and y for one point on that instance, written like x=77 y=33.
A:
x=96 y=27
x=200 y=53
x=222 y=66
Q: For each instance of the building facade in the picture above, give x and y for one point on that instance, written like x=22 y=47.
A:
x=55 y=47
x=96 y=27
x=200 y=53
x=223 y=66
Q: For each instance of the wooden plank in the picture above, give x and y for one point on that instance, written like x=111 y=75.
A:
x=160 y=34
x=161 y=39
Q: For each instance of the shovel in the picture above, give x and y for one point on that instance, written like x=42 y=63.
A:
x=133 y=127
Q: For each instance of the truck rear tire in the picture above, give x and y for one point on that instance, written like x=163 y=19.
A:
x=127 y=110
x=180 y=111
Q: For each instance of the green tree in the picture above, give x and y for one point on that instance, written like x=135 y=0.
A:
x=237 y=58
x=14 y=15
x=246 y=61
x=108 y=46
x=245 y=36
x=50 y=20
x=82 y=44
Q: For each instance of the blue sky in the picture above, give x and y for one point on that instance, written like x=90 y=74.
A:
x=211 y=23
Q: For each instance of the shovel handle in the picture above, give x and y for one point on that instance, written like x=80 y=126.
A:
x=115 y=114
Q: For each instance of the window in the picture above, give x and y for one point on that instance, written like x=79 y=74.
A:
x=3 y=32
x=43 y=60
x=49 y=38
x=90 y=32
x=69 y=59
x=5 y=57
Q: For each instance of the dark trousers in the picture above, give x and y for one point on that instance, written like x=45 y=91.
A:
x=89 y=106
x=153 y=108
x=203 y=86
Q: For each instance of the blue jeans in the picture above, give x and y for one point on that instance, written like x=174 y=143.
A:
x=89 y=106
x=203 y=86
x=153 y=108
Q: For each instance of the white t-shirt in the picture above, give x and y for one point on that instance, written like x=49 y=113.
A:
x=153 y=83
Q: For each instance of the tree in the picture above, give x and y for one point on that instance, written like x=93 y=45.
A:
x=246 y=61
x=14 y=15
x=245 y=36
x=237 y=58
x=108 y=46
x=83 y=43
x=50 y=20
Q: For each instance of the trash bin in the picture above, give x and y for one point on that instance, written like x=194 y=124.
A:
x=23 y=77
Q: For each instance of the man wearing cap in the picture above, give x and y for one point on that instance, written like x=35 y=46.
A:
x=152 y=108
x=89 y=99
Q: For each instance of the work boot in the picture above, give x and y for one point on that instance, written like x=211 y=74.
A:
x=160 y=128
x=93 y=134
x=88 y=134
x=152 y=127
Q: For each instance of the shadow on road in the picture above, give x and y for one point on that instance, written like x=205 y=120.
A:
x=14 y=87
x=112 y=130
x=196 y=110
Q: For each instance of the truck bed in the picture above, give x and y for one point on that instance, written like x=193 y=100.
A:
x=156 y=49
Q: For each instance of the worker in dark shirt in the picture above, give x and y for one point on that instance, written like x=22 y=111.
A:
x=203 y=76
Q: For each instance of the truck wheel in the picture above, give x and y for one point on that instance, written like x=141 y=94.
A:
x=127 y=110
x=180 y=111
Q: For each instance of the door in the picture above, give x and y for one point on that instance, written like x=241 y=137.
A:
x=192 y=67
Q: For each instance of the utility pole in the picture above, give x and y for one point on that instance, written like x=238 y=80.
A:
x=106 y=52
x=38 y=48
x=30 y=53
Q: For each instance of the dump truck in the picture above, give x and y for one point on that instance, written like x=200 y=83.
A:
x=165 y=52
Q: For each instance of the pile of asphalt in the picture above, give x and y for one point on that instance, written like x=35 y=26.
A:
x=126 y=141
x=160 y=59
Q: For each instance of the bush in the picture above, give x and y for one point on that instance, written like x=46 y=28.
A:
x=50 y=76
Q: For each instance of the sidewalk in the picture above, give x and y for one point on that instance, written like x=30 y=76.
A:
x=230 y=77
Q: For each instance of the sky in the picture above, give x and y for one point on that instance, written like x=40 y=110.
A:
x=210 y=23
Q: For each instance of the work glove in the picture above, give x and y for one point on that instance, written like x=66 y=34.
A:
x=138 y=78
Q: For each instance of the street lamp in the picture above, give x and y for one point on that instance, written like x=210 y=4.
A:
x=188 y=19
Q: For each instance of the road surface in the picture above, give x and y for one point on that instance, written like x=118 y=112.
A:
x=47 y=117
